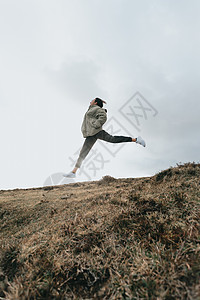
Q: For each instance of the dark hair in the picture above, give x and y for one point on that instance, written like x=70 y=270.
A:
x=99 y=102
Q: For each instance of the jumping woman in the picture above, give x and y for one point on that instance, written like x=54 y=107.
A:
x=92 y=130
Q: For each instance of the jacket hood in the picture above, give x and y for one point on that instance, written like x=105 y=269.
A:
x=97 y=106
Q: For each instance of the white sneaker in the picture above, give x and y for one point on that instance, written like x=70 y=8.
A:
x=70 y=175
x=141 y=141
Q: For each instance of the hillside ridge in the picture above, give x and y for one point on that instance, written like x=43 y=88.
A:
x=127 y=238
x=75 y=184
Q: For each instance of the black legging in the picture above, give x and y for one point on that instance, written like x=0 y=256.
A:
x=101 y=135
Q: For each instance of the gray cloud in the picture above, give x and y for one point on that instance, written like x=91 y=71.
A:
x=78 y=79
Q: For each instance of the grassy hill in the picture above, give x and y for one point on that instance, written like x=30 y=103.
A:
x=134 y=238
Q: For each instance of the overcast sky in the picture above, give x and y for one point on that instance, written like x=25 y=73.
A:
x=57 y=55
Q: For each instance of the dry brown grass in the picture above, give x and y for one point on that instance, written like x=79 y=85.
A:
x=109 y=239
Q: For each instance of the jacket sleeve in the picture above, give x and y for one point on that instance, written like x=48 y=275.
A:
x=101 y=118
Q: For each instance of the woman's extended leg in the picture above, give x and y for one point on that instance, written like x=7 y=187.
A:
x=103 y=135
x=89 y=142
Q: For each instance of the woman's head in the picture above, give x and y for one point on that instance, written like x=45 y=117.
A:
x=98 y=101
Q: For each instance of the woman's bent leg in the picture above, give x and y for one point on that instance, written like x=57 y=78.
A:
x=103 y=135
x=87 y=146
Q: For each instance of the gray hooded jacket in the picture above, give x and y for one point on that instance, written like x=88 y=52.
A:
x=93 y=120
